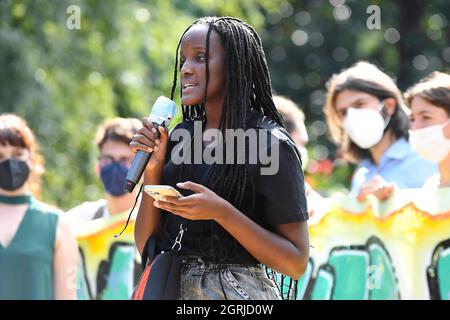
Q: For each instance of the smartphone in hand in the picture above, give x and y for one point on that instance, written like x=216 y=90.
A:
x=159 y=191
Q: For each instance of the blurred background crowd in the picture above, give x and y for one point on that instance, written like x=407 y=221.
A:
x=65 y=82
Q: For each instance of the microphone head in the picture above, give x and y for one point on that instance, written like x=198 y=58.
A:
x=163 y=111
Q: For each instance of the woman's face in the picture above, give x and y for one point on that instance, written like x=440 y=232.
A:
x=193 y=67
x=18 y=153
x=425 y=114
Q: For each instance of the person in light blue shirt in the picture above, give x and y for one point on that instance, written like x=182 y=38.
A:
x=368 y=119
x=399 y=163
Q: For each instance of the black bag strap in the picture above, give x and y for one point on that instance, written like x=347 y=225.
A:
x=149 y=251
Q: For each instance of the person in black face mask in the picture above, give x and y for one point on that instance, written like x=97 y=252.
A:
x=38 y=253
x=14 y=174
x=112 y=140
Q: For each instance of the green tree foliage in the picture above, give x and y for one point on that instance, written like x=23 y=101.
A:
x=66 y=82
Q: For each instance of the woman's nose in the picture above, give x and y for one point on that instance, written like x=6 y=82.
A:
x=414 y=125
x=186 y=68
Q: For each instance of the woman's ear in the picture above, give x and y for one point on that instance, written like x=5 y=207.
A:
x=390 y=104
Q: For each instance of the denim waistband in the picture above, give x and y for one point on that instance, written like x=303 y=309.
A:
x=208 y=263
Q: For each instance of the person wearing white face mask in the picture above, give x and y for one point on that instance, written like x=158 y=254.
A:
x=429 y=101
x=368 y=119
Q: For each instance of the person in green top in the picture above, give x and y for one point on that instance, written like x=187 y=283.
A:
x=38 y=253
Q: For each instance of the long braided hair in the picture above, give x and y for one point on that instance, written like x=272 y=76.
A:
x=248 y=86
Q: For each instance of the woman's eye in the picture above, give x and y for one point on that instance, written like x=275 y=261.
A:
x=201 y=58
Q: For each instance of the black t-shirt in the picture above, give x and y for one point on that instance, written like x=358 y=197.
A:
x=268 y=200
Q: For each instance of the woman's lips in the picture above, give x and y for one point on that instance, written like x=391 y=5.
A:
x=188 y=88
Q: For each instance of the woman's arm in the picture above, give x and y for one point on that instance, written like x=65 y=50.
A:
x=286 y=250
x=65 y=263
x=148 y=220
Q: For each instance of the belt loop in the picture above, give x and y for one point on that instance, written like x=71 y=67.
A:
x=250 y=270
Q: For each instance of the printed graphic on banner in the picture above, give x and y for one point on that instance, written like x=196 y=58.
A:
x=398 y=249
x=108 y=267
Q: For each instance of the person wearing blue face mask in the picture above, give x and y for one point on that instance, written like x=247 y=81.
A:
x=115 y=157
x=112 y=140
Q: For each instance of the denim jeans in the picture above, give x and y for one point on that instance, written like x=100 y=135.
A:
x=209 y=281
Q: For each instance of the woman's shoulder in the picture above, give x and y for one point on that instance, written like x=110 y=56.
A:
x=45 y=218
x=267 y=126
x=275 y=147
x=183 y=125
x=44 y=209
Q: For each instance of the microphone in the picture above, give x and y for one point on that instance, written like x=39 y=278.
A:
x=163 y=111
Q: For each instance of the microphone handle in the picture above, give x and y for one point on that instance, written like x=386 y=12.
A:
x=138 y=166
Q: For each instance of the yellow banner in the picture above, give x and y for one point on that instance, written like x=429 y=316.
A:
x=397 y=249
x=109 y=267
